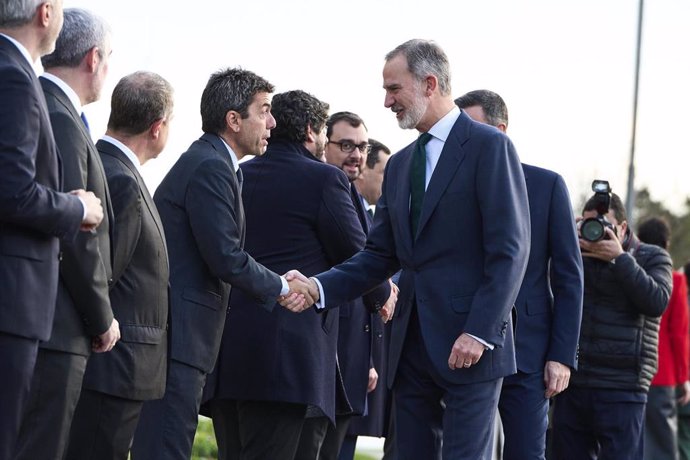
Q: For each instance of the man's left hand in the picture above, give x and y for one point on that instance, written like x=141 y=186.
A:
x=556 y=378
x=466 y=352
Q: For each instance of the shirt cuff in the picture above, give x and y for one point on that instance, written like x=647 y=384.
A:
x=83 y=207
x=486 y=344
x=321 y=304
x=285 y=289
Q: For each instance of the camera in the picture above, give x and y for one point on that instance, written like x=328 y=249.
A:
x=593 y=228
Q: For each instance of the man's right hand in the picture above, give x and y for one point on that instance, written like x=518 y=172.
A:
x=303 y=292
x=107 y=340
x=94 y=210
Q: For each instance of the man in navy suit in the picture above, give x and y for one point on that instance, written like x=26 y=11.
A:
x=454 y=217
x=201 y=208
x=33 y=213
x=116 y=383
x=549 y=305
x=347 y=149
x=277 y=380
x=84 y=321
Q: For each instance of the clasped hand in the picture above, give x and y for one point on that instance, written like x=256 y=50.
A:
x=303 y=292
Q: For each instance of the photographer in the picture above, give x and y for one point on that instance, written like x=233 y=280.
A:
x=627 y=288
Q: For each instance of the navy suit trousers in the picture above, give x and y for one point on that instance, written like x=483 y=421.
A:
x=524 y=414
x=598 y=424
x=435 y=417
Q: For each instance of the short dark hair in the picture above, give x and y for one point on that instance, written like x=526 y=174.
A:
x=81 y=31
x=655 y=230
x=376 y=148
x=294 y=111
x=138 y=100
x=616 y=206
x=353 y=119
x=226 y=90
x=493 y=105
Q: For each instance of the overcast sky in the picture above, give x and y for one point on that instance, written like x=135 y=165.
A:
x=565 y=69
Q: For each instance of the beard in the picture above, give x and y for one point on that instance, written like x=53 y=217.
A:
x=414 y=113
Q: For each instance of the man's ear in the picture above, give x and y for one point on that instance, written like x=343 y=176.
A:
x=430 y=84
x=311 y=136
x=92 y=59
x=155 y=128
x=45 y=12
x=233 y=121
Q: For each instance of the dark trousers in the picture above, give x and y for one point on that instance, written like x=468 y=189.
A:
x=661 y=424
x=257 y=430
x=597 y=424
x=55 y=390
x=312 y=437
x=17 y=361
x=167 y=426
x=335 y=435
x=424 y=429
x=103 y=427
x=524 y=414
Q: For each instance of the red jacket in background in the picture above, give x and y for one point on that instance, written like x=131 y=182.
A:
x=674 y=337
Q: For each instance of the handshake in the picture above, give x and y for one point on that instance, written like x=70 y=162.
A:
x=304 y=292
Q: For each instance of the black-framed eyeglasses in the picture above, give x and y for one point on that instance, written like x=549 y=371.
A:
x=349 y=147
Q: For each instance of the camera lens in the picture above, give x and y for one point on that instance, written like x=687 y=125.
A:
x=592 y=229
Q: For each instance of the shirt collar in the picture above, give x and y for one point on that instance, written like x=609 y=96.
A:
x=442 y=128
x=25 y=52
x=233 y=157
x=67 y=89
x=126 y=150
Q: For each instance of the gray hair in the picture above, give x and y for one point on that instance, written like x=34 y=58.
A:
x=425 y=57
x=81 y=31
x=15 y=13
x=138 y=100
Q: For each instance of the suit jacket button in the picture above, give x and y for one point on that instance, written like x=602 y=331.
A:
x=110 y=282
x=60 y=256
x=366 y=328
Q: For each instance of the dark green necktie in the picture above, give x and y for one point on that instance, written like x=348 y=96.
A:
x=418 y=180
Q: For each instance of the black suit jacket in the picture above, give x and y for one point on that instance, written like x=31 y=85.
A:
x=33 y=215
x=136 y=367
x=83 y=307
x=201 y=208
x=299 y=215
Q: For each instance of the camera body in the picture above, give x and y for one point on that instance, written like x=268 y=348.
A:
x=593 y=228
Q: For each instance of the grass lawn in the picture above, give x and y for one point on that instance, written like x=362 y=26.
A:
x=205 y=447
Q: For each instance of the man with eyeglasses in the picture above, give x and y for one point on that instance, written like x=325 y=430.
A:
x=347 y=149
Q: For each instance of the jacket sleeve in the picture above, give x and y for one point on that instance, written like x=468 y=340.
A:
x=83 y=270
x=647 y=286
x=210 y=203
x=23 y=201
x=127 y=209
x=566 y=278
x=678 y=327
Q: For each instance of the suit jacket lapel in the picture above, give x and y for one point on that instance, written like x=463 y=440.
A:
x=220 y=149
x=448 y=163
